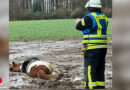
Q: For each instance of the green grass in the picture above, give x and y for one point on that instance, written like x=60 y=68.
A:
x=46 y=30
x=109 y=30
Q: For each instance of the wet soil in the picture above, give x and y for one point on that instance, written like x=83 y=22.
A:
x=66 y=55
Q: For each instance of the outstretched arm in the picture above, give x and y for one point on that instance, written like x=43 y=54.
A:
x=84 y=23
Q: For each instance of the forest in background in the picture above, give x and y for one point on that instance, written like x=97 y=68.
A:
x=51 y=9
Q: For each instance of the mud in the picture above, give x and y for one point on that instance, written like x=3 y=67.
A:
x=66 y=55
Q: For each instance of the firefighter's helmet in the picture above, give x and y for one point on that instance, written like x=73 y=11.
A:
x=93 y=4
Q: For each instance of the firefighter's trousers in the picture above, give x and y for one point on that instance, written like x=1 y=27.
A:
x=94 y=68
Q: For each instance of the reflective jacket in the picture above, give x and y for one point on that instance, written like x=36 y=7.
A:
x=96 y=36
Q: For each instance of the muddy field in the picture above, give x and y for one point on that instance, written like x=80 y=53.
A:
x=66 y=55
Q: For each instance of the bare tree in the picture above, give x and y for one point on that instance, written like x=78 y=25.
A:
x=20 y=8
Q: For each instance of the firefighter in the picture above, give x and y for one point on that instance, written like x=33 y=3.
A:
x=94 y=44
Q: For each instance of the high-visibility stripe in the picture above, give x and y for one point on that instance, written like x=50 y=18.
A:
x=97 y=18
x=89 y=77
x=100 y=83
x=94 y=36
x=101 y=17
x=83 y=22
x=93 y=46
x=96 y=44
x=94 y=84
x=94 y=41
x=90 y=83
x=97 y=47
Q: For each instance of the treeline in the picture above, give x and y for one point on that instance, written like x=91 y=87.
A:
x=51 y=9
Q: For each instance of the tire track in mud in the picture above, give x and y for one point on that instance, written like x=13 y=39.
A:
x=66 y=55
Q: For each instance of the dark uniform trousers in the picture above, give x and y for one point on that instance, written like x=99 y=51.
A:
x=94 y=68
